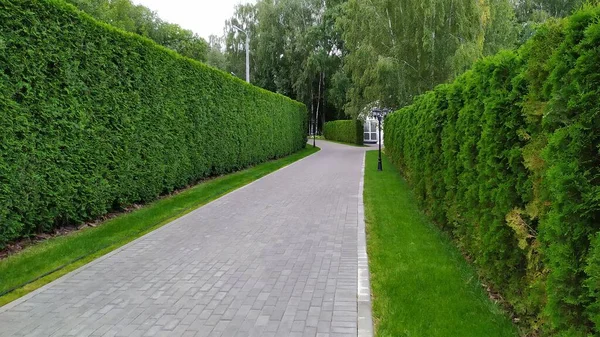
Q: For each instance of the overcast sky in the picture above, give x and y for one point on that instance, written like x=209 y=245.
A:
x=204 y=17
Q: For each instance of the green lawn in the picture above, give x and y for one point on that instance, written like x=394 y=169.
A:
x=421 y=284
x=72 y=251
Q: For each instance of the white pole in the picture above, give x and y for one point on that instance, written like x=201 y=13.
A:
x=247 y=58
x=247 y=52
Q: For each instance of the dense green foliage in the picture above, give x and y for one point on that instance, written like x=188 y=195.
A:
x=400 y=49
x=295 y=50
x=346 y=56
x=141 y=20
x=94 y=118
x=533 y=10
x=421 y=285
x=347 y=131
x=507 y=157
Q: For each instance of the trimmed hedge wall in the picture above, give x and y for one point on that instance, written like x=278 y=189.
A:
x=347 y=131
x=507 y=158
x=93 y=118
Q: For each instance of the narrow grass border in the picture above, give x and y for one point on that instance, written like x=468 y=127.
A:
x=34 y=267
x=421 y=284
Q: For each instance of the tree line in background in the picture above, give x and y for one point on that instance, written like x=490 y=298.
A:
x=141 y=20
x=341 y=57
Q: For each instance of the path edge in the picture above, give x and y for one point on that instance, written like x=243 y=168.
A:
x=365 y=318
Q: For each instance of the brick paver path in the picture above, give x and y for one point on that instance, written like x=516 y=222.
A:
x=276 y=258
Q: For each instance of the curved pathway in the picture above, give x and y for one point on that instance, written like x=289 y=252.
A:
x=279 y=257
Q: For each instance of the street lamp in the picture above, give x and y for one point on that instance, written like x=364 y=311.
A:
x=379 y=114
x=247 y=52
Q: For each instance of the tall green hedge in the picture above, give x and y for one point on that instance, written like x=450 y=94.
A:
x=507 y=158
x=92 y=118
x=347 y=131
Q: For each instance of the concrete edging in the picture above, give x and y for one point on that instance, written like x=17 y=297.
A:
x=365 y=319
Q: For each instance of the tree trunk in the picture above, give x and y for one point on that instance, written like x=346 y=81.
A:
x=312 y=112
x=323 y=99
x=318 y=99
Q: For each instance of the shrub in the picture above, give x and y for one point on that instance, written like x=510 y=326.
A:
x=347 y=131
x=94 y=119
x=507 y=158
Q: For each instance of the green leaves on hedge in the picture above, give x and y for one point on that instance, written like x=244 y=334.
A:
x=507 y=158
x=347 y=131
x=94 y=119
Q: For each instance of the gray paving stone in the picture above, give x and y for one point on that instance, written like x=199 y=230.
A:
x=279 y=257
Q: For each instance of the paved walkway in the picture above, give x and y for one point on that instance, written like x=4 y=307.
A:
x=278 y=257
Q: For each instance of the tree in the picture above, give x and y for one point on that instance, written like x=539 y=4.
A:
x=398 y=50
x=295 y=49
x=216 y=58
x=531 y=10
x=141 y=20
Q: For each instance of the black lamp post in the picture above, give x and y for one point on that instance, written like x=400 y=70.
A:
x=379 y=114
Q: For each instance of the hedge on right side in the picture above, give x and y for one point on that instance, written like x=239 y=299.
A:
x=507 y=159
x=347 y=131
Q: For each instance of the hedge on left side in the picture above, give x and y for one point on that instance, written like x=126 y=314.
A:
x=347 y=131
x=94 y=119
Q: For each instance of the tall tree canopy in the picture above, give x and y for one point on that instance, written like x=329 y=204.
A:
x=143 y=21
x=295 y=49
x=344 y=56
x=399 y=49
x=534 y=9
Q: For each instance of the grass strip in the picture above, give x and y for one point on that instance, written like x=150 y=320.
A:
x=421 y=284
x=51 y=259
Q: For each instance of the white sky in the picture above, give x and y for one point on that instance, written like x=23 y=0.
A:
x=204 y=17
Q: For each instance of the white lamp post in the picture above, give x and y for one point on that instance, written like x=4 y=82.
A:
x=247 y=52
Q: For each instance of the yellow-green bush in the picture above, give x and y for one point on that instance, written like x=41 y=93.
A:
x=507 y=158
x=347 y=131
x=92 y=118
